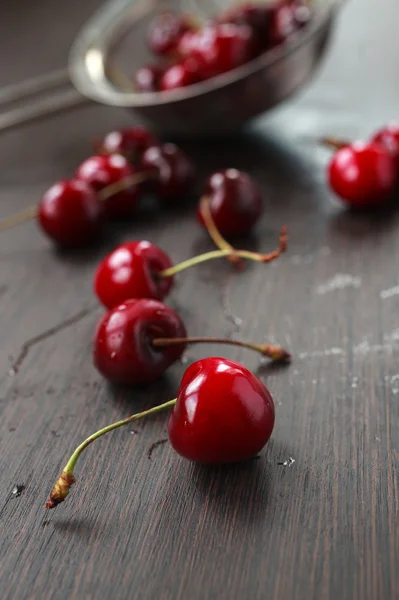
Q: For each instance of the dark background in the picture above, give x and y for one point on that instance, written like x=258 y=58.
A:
x=326 y=526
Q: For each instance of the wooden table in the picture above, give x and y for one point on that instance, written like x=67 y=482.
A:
x=152 y=526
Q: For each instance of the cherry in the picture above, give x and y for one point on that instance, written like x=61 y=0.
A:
x=147 y=78
x=254 y=15
x=136 y=341
x=388 y=137
x=220 y=48
x=165 y=32
x=131 y=142
x=140 y=269
x=235 y=202
x=180 y=75
x=363 y=175
x=187 y=43
x=123 y=349
x=222 y=414
x=131 y=271
x=102 y=171
x=70 y=213
x=174 y=171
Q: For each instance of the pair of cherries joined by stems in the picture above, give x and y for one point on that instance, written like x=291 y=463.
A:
x=194 y=52
x=366 y=174
x=222 y=414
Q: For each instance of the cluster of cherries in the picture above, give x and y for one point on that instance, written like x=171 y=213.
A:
x=366 y=174
x=191 y=52
x=110 y=184
x=222 y=413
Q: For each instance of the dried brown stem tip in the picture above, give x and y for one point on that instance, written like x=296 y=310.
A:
x=276 y=353
x=333 y=142
x=60 y=490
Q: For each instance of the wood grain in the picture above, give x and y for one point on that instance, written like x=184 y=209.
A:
x=323 y=527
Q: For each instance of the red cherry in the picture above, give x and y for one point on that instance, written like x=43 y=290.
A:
x=235 y=202
x=123 y=351
x=223 y=413
x=102 y=171
x=165 y=32
x=131 y=142
x=389 y=139
x=174 y=171
x=362 y=174
x=256 y=16
x=130 y=271
x=147 y=78
x=220 y=48
x=186 y=44
x=180 y=75
x=70 y=213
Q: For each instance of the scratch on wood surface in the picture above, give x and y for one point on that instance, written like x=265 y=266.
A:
x=155 y=446
x=46 y=334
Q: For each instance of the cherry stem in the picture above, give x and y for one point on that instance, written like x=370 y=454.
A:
x=62 y=486
x=270 y=350
x=17 y=218
x=214 y=232
x=27 y=214
x=263 y=258
x=123 y=184
x=334 y=143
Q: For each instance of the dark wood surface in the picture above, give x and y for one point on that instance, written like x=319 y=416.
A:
x=159 y=527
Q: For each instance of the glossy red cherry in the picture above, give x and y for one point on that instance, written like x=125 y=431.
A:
x=123 y=350
x=165 y=32
x=147 y=78
x=256 y=16
x=220 y=48
x=223 y=413
x=186 y=43
x=252 y=14
x=388 y=137
x=130 y=271
x=173 y=170
x=180 y=75
x=235 y=202
x=102 y=171
x=131 y=142
x=70 y=213
x=363 y=175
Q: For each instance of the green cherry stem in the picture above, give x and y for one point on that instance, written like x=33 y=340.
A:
x=196 y=260
x=62 y=486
